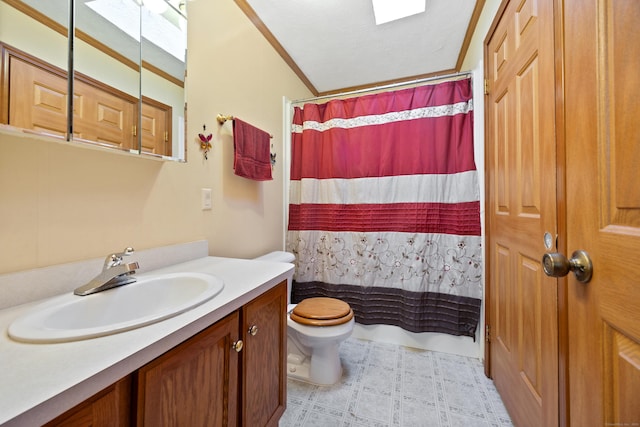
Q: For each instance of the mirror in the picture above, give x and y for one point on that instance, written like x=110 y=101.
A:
x=106 y=73
x=128 y=85
x=163 y=53
x=34 y=42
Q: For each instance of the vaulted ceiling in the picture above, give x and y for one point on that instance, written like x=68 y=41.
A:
x=335 y=45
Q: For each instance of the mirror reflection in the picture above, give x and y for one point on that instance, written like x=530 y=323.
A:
x=163 y=53
x=33 y=81
x=106 y=65
x=128 y=72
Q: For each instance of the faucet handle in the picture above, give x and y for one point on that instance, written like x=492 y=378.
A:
x=116 y=258
x=126 y=252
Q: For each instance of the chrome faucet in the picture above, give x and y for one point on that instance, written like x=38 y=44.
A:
x=114 y=273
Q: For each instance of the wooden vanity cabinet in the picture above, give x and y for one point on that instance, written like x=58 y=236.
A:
x=204 y=381
x=108 y=408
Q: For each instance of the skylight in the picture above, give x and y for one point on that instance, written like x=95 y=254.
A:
x=125 y=15
x=391 y=10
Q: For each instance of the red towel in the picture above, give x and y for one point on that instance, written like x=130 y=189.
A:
x=251 y=151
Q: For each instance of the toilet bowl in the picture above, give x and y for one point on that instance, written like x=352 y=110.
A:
x=313 y=343
x=315 y=329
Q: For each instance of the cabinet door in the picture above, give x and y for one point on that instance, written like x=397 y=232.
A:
x=108 y=408
x=194 y=384
x=264 y=378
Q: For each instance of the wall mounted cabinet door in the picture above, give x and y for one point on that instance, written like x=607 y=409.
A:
x=109 y=39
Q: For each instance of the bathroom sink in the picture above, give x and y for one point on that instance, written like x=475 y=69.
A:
x=150 y=299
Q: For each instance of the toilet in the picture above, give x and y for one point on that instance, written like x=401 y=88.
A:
x=315 y=329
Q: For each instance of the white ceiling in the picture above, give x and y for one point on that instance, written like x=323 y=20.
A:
x=336 y=45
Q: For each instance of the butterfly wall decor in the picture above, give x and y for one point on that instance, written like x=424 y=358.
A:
x=205 y=142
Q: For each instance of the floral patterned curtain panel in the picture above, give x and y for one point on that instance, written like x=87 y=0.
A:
x=384 y=207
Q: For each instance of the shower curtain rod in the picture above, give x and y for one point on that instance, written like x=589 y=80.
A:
x=389 y=86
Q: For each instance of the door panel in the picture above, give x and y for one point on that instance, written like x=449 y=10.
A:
x=102 y=116
x=502 y=165
x=37 y=99
x=521 y=207
x=501 y=311
x=155 y=128
x=530 y=344
x=528 y=148
x=622 y=359
x=603 y=206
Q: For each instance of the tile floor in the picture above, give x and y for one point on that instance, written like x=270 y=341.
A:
x=385 y=385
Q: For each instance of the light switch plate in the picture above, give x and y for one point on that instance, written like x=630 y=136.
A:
x=206 y=199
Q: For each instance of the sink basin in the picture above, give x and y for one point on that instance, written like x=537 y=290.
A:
x=150 y=299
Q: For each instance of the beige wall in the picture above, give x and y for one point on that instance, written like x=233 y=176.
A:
x=60 y=203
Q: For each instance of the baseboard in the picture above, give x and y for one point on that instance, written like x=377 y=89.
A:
x=463 y=346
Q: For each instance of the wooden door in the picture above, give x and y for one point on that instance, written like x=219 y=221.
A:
x=602 y=88
x=264 y=375
x=194 y=384
x=520 y=207
x=155 y=128
x=37 y=98
x=104 y=115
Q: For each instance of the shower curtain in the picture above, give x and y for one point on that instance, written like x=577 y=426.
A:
x=384 y=207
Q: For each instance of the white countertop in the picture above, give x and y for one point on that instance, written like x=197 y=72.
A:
x=40 y=381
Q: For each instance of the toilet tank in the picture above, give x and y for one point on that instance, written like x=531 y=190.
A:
x=281 y=256
x=278 y=256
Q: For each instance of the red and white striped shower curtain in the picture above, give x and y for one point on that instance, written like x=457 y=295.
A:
x=384 y=207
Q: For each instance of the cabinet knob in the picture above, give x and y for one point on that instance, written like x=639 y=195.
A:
x=237 y=346
x=253 y=330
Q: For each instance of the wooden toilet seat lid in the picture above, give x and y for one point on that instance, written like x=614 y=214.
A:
x=322 y=311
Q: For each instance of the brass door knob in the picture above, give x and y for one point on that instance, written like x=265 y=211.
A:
x=237 y=346
x=253 y=330
x=557 y=265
